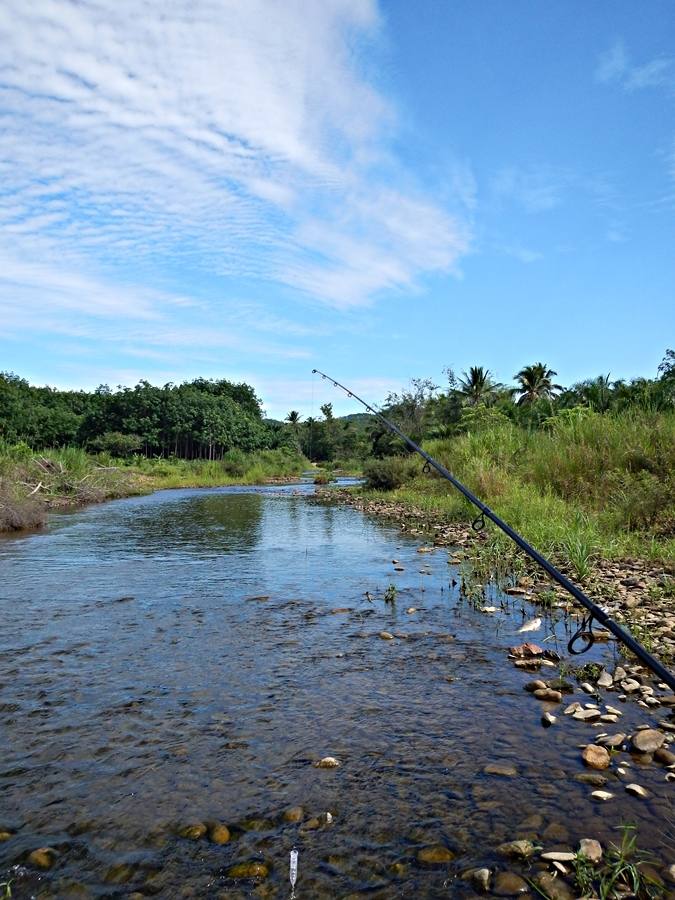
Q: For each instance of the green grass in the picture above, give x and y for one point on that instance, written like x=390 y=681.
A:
x=586 y=487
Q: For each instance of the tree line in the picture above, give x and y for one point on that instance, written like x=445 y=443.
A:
x=475 y=399
x=199 y=419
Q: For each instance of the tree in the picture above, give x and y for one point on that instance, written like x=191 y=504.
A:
x=535 y=382
x=293 y=418
x=477 y=386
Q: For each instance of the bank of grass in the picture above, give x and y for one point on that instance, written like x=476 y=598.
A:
x=32 y=483
x=587 y=486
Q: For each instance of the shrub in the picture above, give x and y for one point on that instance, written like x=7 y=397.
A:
x=389 y=473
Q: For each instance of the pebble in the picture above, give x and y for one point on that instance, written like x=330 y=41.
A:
x=516 y=849
x=294 y=814
x=595 y=757
x=547 y=720
x=586 y=715
x=193 y=832
x=593 y=778
x=562 y=856
x=591 y=849
x=647 y=740
x=43 y=857
x=503 y=769
x=613 y=710
x=386 y=636
x=548 y=694
x=612 y=740
x=572 y=708
x=605 y=680
x=435 y=855
x=587 y=688
x=481 y=879
x=328 y=762
x=411 y=609
x=533 y=686
x=602 y=795
x=554 y=888
x=508 y=884
x=219 y=834
x=248 y=870
x=4 y=835
x=637 y=791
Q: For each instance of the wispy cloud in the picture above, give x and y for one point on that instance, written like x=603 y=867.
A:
x=615 y=65
x=224 y=139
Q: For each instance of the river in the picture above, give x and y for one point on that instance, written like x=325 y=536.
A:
x=186 y=657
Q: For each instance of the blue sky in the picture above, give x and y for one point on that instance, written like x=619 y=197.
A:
x=251 y=189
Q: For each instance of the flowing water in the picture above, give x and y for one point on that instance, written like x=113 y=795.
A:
x=186 y=657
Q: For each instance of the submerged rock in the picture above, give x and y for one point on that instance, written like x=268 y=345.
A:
x=120 y=873
x=554 y=887
x=602 y=795
x=591 y=778
x=43 y=857
x=508 y=884
x=386 y=635
x=505 y=770
x=193 y=832
x=294 y=814
x=219 y=834
x=253 y=869
x=436 y=855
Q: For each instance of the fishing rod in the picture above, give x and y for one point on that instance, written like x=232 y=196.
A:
x=594 y=612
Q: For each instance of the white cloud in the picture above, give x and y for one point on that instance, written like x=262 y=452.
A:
x=221 y=138
x=536 y=189
x=614 y=65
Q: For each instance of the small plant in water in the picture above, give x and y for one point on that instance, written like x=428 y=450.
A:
x=588 y=672
x=6 y=888
x=621 y=872
x=390 y=594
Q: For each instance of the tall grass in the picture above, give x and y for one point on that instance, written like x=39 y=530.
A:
x=31 y=483
x=588 y=485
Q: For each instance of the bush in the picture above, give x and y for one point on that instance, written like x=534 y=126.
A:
x=389 y=473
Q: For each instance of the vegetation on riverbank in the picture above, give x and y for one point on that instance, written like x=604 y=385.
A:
x=32 y=483
x=586 y=486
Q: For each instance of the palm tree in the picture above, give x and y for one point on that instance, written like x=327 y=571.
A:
x=477 y=386
x=293 y=418
x=535 y=383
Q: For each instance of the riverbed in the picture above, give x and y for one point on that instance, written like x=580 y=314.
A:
x=186 y=658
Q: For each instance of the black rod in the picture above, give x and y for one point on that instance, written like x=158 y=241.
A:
x=596 y=611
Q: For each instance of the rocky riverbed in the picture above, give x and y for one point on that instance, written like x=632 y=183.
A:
x=192 y=684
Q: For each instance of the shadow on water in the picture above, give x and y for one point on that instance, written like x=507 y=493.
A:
x=186 y=657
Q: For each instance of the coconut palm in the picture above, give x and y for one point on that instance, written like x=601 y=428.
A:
x=535 y=382
x=477 y=386
x=293 y=418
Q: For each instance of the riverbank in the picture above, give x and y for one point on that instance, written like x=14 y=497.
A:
x=640 y=593
x=33 y=484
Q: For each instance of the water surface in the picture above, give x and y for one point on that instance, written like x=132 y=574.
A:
x=187 y=656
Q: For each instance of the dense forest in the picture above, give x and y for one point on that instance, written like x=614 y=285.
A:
x=200 y=419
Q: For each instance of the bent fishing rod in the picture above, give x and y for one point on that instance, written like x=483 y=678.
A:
x=594 y=612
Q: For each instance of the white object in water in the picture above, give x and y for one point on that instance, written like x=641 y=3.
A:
x=532 y=625
x=293 y=873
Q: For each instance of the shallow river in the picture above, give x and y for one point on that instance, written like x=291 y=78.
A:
x=187 y=656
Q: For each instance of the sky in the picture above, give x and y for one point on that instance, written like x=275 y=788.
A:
x=249 y=189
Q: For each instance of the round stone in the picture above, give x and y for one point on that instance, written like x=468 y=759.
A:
x=595 y=757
